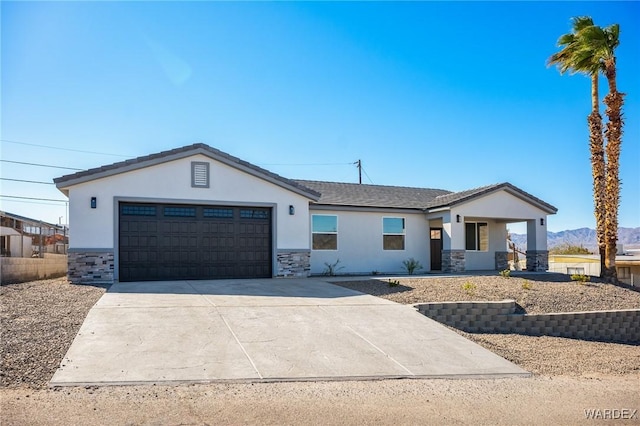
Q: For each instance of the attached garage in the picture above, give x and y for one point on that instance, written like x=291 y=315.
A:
x=185 y=241
x=189 y=213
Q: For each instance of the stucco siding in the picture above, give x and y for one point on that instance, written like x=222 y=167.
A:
x=360 y=243
x=500 y=204
x=171 y=181
x=485 y=260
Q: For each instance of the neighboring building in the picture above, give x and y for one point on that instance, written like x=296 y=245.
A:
x=31 y=249
x=198 y=213
x=22 y=236
x=627 y=266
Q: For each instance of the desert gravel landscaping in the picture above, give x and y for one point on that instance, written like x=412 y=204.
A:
x=535 y=293
x=40 y=319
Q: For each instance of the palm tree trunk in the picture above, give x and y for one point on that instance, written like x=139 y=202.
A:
x=614 y=101
x=596 y=145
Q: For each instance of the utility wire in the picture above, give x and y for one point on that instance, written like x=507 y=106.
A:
x=32 y=198
x=28 y=181
x=304 y=164
x=65 y=149
x=39 y=165
x=32 y=202
x=367 y=175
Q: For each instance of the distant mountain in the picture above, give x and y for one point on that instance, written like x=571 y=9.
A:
x=585 y=237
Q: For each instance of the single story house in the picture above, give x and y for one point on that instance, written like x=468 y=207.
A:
x=198 y=213
x=627 y=265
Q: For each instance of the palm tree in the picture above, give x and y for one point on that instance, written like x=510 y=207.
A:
x=574 y=58
x=602 y=42
x=590 y=49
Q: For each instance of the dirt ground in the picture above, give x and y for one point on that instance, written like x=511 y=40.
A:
x=572 y=379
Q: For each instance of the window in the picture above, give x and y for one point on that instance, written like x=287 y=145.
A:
x=180 y=211
x=324 y=232
x=199 y=174
x=254 y=214
x=139 y=210
x=476 y=236
x=575 y=271
x=219 y=213
x=624 y=272
x=393 y=233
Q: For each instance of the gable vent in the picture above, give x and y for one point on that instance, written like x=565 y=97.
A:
x=199 y=174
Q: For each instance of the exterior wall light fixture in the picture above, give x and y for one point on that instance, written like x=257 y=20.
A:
x=292 y=210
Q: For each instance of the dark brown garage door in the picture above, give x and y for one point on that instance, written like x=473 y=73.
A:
x=171 y=241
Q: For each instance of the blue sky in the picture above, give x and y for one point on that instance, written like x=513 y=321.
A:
x=450 y=95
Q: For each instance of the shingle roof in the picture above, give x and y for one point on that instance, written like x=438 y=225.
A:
x=327 y=193
x=453 y=198
x=353 y=194
x=185 y=151
x=357 y=195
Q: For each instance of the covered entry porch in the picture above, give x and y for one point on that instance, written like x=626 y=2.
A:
x=470 y=233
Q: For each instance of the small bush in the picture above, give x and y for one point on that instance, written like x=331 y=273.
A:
x=469 y=288
x=506 y=273
x=526 y=285
x=332 y=268
x=411 y=265
x=394 y=283
x=580 y=278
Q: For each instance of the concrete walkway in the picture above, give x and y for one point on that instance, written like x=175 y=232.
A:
x=263 y=330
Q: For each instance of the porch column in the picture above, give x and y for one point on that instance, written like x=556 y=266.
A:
x=537 y=253
x=453 y=252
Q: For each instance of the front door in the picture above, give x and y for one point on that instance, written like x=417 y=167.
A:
x=436 y=249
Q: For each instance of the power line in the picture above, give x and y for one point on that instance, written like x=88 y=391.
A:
x=28 y=181
x=39 y=165
x=304 y=164
x=32 y=202
x=65 y=149
x=367 y=175
x=32 y=198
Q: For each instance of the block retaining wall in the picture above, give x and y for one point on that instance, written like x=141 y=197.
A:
x=500 y=317
x=23 y=269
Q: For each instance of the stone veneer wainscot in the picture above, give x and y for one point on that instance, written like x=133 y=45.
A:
x=294 y=263
x=89 y=266
x=453 y=260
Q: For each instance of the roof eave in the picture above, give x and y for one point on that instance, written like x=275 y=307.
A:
x=65 y=182
x=511 y=189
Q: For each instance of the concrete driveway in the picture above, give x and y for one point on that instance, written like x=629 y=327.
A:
x=263 y=330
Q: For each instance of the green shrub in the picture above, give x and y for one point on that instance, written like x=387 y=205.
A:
x=469 y=288
x=569 y=249
x=580 y=278
x=411 y=265
x=526 y=285
x=506 y=273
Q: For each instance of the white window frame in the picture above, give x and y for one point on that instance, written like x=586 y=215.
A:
x=404 y=233
x=476 y=236
x=330 y=233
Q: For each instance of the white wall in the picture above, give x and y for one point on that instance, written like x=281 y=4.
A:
x=94 y=228
x=486 y=260
x=360 y=243
x=20 y=246
x=497 y=210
